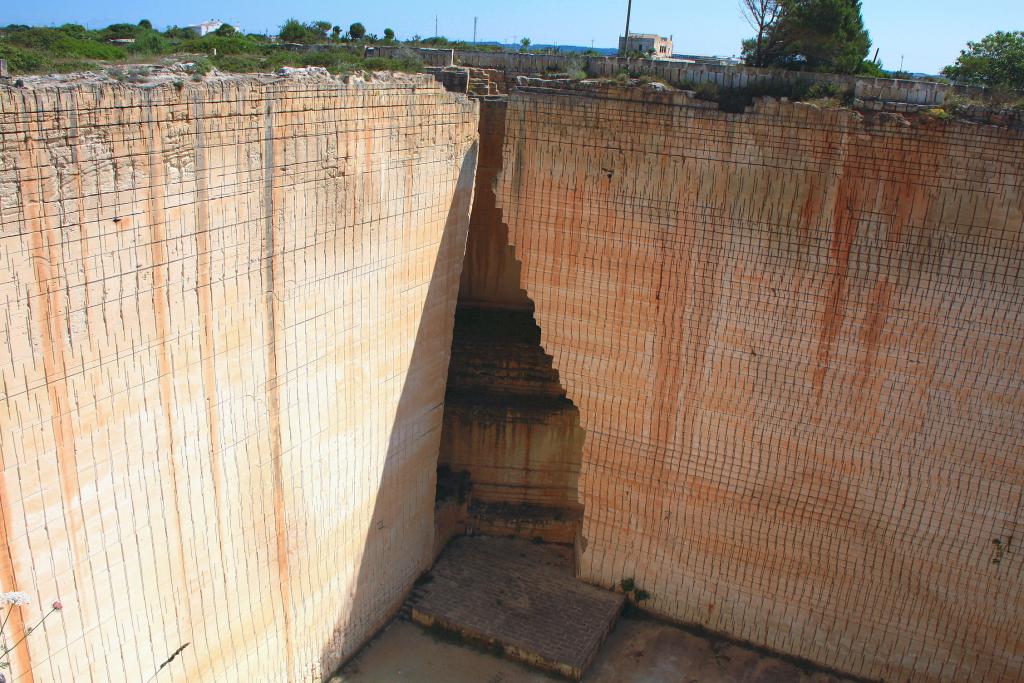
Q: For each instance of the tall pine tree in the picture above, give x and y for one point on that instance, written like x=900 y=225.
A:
x=819 y=35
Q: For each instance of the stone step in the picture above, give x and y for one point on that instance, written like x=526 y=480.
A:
x=518 y=595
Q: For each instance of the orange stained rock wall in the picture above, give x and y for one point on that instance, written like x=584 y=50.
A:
x=226 y=324
x=795 y=340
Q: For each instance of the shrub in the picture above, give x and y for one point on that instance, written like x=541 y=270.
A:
x=577 y=68
x=23 y=61
x=647 y=79
x=179 y=33
x=150 y=43
x=55 y=44
x=871 y=69
x=708 y=90
x=938 y=113
x=66 y=66
x=230 y=45
x=120 y=31
x=137 y=75
x=74 y=30
x=821 y=90
x=200 y=67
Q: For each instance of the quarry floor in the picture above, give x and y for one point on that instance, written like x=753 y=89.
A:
x=639 y=650
x=525 y=596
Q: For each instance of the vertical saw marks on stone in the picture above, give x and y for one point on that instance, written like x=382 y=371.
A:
x=794 y=337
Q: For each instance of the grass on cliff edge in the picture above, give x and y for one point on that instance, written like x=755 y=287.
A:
x=69 y=48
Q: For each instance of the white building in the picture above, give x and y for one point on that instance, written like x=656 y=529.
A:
x=646 y=43
x=207 y=27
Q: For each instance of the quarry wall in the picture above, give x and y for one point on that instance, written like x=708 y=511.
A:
x=508 y=427
x=779 y=367
x=794 y=337
x=226 y=322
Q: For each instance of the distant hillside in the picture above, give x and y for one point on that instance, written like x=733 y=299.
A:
x=606 y=51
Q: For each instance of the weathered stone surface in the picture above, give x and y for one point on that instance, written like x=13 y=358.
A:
x=520 y=595
x=507 y=423
x=637 y=651
x=795 y=338
x=226 y=323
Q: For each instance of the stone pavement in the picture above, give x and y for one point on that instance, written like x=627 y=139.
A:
x=520 y=596
x=639 y=650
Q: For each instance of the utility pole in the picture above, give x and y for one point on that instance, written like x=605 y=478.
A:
x=436 y=34
x=474 y=30
x=625 y=39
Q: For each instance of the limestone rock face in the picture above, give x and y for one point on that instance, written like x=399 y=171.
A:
x=794 y=337
x=226 y=324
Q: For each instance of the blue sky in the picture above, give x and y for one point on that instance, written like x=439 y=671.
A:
x=928 y=35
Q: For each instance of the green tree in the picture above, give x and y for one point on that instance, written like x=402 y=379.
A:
x=525 y=42
x=335 y=33
x=357 y=31
x=293 y=31
x=389 y=35
x=179 y=33
x=146 y=24
x=761 y=15
x=120 y=31
x=73 y=30
x=321 y=27
x=995 y=61
x=225 y=30
x=819 y=35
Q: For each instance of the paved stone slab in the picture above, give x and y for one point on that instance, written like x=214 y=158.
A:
x=521 y=595
x=638 y=650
